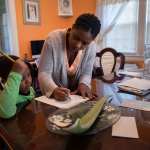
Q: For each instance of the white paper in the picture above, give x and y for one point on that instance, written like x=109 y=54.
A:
x=136 y=104
x=141 y=84
x=75 y=100
x=125 y=127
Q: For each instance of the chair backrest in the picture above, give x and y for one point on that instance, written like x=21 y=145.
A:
x=5 y=66
x=110 y=62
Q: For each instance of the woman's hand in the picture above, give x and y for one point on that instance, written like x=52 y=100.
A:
x=84 y=91
x=61 y=93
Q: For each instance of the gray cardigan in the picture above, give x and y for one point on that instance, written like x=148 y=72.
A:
x=52 y=68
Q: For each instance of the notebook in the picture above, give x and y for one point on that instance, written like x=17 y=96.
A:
x=73 y=101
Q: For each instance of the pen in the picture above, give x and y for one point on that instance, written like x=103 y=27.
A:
x=68 y=98
x=110 y=98
x=1 y=83
x=7 y=56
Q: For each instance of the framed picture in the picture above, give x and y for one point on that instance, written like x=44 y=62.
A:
x=31 y=11
x=65 y=8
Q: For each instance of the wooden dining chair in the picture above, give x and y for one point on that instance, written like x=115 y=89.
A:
x=6 y=65
x=110 y=61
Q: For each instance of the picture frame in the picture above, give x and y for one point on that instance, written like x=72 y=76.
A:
x=31 y=11
x=65 y=8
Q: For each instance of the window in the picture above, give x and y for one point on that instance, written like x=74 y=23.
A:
x=128 y=34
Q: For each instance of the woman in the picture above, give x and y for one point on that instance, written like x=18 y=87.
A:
x=67 y=59
x=17 y=90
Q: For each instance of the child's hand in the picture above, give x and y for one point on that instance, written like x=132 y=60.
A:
x=19 y=66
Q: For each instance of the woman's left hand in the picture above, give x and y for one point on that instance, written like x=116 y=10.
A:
x=84 y=91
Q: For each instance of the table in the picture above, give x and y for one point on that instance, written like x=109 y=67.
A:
x=27 y=130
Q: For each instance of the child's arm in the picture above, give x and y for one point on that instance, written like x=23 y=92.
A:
x=9 y=95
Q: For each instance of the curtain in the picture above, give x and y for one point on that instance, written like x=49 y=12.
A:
x=122 y=23
x=108 y=12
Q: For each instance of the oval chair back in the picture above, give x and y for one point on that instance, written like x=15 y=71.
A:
x=110 y=62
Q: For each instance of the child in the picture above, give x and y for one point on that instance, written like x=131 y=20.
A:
x=17 y=89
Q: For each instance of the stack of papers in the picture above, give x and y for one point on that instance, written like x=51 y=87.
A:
x=135 y=85
x=73 y=101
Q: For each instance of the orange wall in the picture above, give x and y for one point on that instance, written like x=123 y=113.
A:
x=49 y=21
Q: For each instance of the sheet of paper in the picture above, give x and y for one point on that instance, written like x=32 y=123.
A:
x=136 y=104
x=141 y=84
x=75 y=100
x=125 y=127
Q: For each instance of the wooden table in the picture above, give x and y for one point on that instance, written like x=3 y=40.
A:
x=27 y=130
